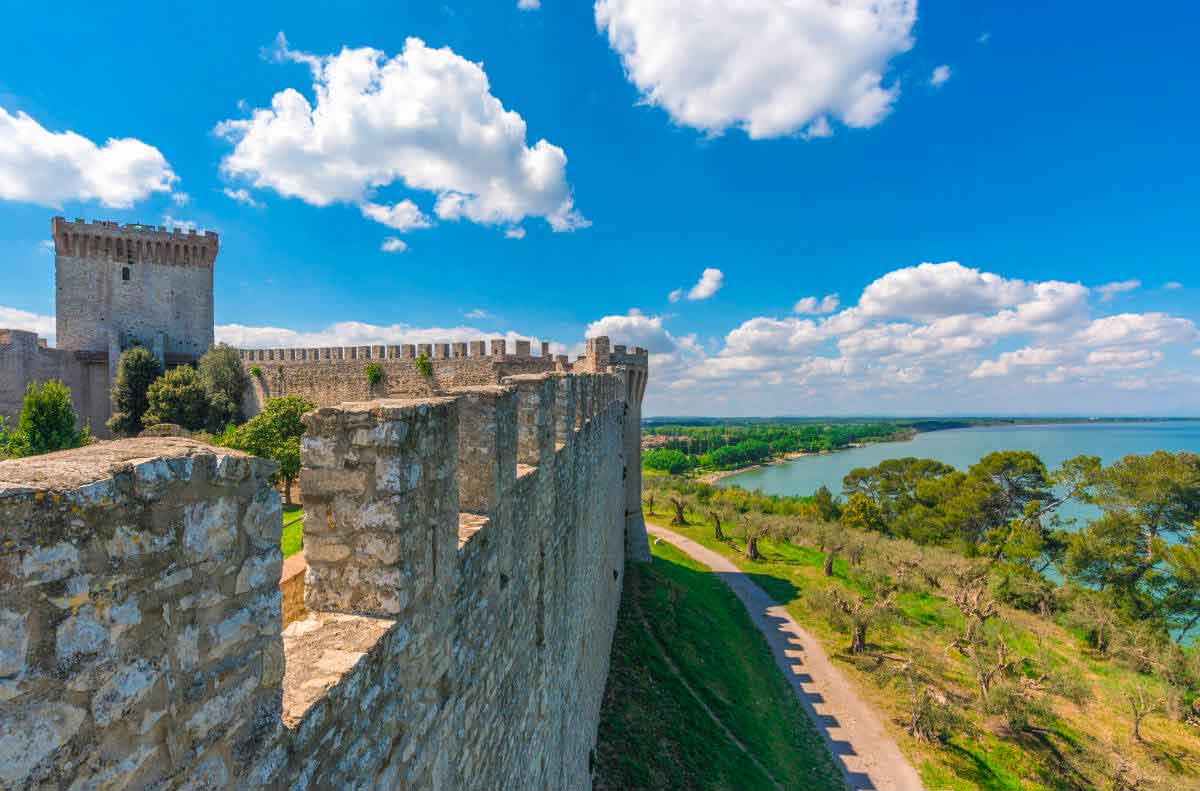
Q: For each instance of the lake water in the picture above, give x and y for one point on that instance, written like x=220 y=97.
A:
x=963 y=447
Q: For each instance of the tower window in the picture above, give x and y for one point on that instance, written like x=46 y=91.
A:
x=124 y=273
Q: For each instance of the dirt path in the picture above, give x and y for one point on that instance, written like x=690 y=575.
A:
x=851 y=727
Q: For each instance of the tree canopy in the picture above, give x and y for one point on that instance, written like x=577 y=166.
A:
x=177 y=397
x=275 y=434
x=137 y=369
x=224 y=380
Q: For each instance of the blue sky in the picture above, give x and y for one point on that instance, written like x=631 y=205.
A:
x=796 y=150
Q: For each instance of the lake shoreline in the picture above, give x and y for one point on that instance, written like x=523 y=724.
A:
x=715 y=477
x=712 y=478
x=1052 y=441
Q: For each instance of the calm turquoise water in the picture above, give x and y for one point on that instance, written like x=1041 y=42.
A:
x=963 y=447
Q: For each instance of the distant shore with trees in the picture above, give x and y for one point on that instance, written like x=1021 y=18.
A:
x=711 y=449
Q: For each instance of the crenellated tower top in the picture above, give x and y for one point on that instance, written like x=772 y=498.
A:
x=133 y=243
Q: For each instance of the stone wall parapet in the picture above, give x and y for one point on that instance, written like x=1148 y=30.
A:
x=435 y=351
x=134 y=242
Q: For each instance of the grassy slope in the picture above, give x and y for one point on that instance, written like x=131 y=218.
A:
x=293 y=530
x=1073 y=753
x=653 y=732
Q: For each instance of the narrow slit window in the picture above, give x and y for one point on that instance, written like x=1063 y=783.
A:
x=124 y=273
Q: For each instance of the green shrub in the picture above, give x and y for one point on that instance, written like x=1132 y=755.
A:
x=177 y=397
x=256 y=372
x=136 y=371
x=47 y=422
x=1021 y=709
x=424 y=365
x=374 y=373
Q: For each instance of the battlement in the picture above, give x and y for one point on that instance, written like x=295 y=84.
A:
x=462 y=550
x=134 y=243
x=406 y=351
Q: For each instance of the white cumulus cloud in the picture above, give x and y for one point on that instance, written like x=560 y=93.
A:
x=1110 y=290
x=933 y=290
x=1123 y=358
x=402 y=216
x=242 y=196
x=811 y=305
x=709 y=283
x=529 y=5
x=634 y=329
x=393 y=245
x=50 y=168
x=940 y=76
x=424 y=119
x=1138 y=328
x=769 y=67
x=1006 y=362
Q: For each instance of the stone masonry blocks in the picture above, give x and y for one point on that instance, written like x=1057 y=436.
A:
x=140 y=580
x=381 y=501
x=535 y=417
x=487 y=446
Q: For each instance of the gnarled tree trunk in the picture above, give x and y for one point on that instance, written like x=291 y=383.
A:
x=716 y=526
x=679 y=518
x=858 y=638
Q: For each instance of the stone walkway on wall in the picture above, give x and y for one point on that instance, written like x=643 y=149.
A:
x=852 y=729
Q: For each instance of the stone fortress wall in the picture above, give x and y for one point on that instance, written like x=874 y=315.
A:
x=466 y=555
x=331 y=375
x=24 y=358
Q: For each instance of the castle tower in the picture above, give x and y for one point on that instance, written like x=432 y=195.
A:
x=120 y=286
x=632 y=367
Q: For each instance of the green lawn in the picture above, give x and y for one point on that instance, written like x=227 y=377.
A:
x=293 y=530
x=655 y=734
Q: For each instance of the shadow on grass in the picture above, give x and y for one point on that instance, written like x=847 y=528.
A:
x=970 y=767
x=778 y=588
x=654 y=736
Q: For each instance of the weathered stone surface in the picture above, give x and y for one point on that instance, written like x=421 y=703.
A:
x=80 y=635
x=14 y=640
x=262 y=520
x=46 y=564
x=260 y=571
x=210 y=528
x=32 y=734
x=123 y=691
x=119 y=775
x=138 y=599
